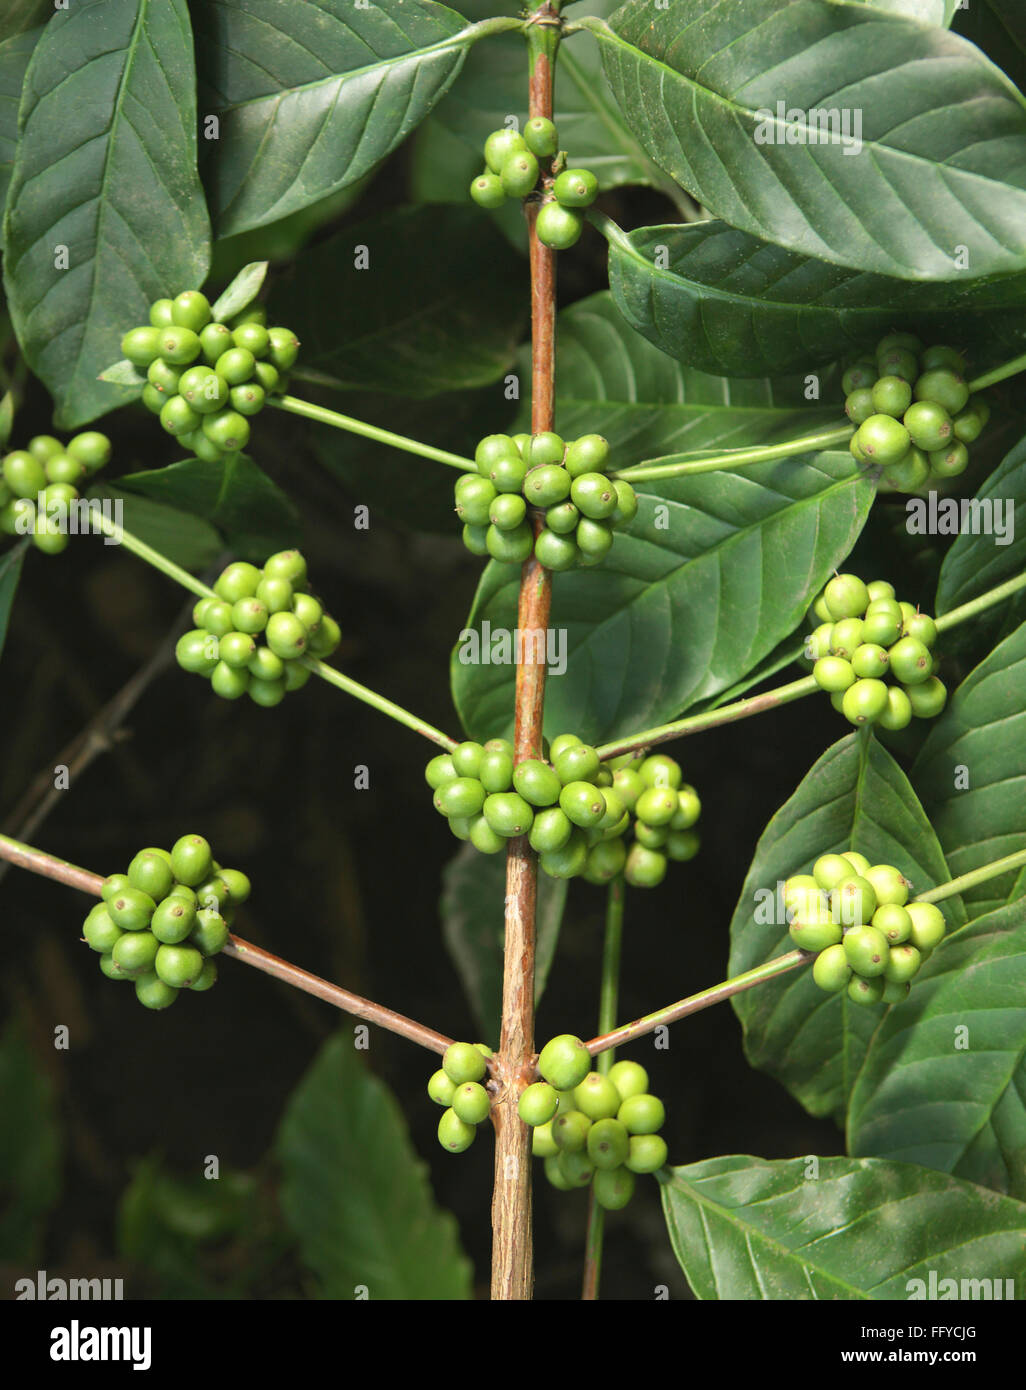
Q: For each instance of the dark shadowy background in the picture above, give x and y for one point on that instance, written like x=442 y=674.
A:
x=346 y=882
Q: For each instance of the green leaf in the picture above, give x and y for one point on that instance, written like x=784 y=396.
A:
x=15 y=53
x=976 y=563
x=971 y=771
x=123 y=373
x=934 y=163
x=355 y=1193
x=404 y=322
x=854 y=797
x=310 y=98
x=724 y=301
x=6 y=416
x=10 y=573
x=187 y=540
x=30 y=1150
x=472 y=910
x=944 y=1081
x=240 y=293
x=251 y=511
x=21 y=15
x=105 y=167
x=754 y=1228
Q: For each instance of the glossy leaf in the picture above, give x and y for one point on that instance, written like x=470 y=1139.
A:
x=105 y=168
x=310 y=98
x=404 y=322
x=944 y=1081
x=754 y=1228
x=935 y=155
x=854 y=797
x=21 y=15
x=123 y=373
x=971 y=771
x=731 y=559
x=236 y=496
x=996 y=553
x=15 y=53
x=472 y=911
x=355 y=1193
x=722 y=300
x=10 y=572
x=240 y=293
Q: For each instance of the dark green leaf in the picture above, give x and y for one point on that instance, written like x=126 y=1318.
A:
x=971 y=772
x=404 y=322
x=934 y=163
x=751 y=1228
x=473 y=894
x=240 y=293
x=724 y=301
x=10 y=573
x=21 y=15
x=14 y=59
x=123 y=373
x=976 y=563
x=855 y=797
x=187 y=540
x=30 y=1151
x=310 y=98
x=236 y=496
x=355 y=1193
x=105 y=168
x=944 y=1081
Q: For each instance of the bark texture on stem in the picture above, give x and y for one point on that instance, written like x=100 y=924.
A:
x=512 y=1249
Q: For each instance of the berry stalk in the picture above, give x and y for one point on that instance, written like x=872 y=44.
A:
x=1002 y=373
x=735 y=458
x=512 y=1242
x=38 y=861
x=324 y=416
x=972 y=879
x=980 y=604
x=609 y=995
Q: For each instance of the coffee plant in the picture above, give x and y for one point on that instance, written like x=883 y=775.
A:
x=773 y=421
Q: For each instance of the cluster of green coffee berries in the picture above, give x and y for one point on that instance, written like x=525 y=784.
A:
x=593 y=1128
x=513 y=171
x=204 y=379
x=522 y=476
x=457 y=1086
x=40 y=483
x=161 y=923
x=864 y=635
x=575 y=810
x=913 y=410
x=868 y=938
x=252 y=634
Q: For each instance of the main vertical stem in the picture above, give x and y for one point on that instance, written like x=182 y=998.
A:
x=512 y=1246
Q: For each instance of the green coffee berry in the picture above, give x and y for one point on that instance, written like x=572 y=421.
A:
x=859 y=405
x=570 y=1130
x=537 y=782
x=455 y=1134
x=883 y=439
x=891 y=395
x=846 y=637
x=575 y=188
x=101 y=931
x=629 y=1078
x=605 y=861
x=608 y=1144
x=210 y=932
x=190 y=309
x=812 y=927
x=910 y=472
x=928 y=926
x=551 y=831
x=613 y=1190
x=466 y=758
x=587 y=454
x=141 y=345
x=582 y=803
x=462 y=1063
x=845 y=596
x=866 y=991
x=151 y=875
x=471 y=1102
x=647 y=1153
x=153 y=993
x=864 y=701
x=191 y=860
x=554 y=1173
x=252 y=337
x=642 y=1114
x=540 y=137
x=577 y=763
x=867 y=951
x=173 y=920
x=557 y=553
x=206 y=979
x=831 y=969
x=593 y=495
x=283 y=348
x=131 y=909
x=928 y=699
x=475 y=538
x=911 y=661
x=538 y=1103
x=542 y=1143
x=894 y=922
x=889 y=884
x=564 y=1062
x=944 y=387
x=508 y=814
x=831 y=869
x=441 y=1089
x=496 y=770
x=882 y=627
x=558 y=227
x=645 y=868
x=833 y=673
x=134 y=953
x=853 y=900
x=178 y=966
x=902 y=963
x=860 y=375
x=597 y=1097
x=949 y=462
x=576 y=1168
x=192 y=652
x=519 y=174
x=569 y=861
x=110 y=969
x=500 y=146
x=869 y=661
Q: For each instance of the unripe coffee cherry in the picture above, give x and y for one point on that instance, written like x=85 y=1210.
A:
x=462 y=1063
x=867 y=951
x=134 y=952
x=895 y=923
x=608 y=1144
x=455 y=1134
x=642 y=1113
x=519 y=174
x=889 y=884
x=551 y=831
x=831 y=969
x=153 y=993
x=902 y=963
x=440 y=1088
x=597 y=1097
x=178 y=966
x=928 y=926
x=471 y=1103
x=538 y=1103
x=911 y=661
x=647 y=1153
x=576 y=188
x=487 y=191
x=883 y=439
x=173 y=920
x=865 y=701
x=540 y=137
x=570 y=1130
x=613 y=1190
x=500 y=145
x=100 y=930
x=813 y=928
x=558 y=227
x=537 y=782
x=577 y=1168
x=866 y=991
x=131 y=910
x=555 y=1174
x=853 y=900
x=564 y=1062
x=542 y=1143
x=831 y=869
